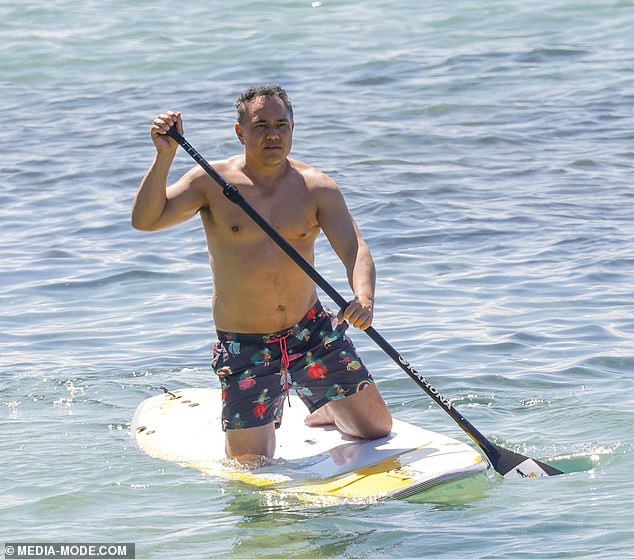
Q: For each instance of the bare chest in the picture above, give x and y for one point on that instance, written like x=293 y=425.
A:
x=290 y=209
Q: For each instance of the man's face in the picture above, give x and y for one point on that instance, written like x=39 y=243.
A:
x=267 y=130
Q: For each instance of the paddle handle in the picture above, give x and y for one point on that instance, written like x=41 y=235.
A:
x=232 y=193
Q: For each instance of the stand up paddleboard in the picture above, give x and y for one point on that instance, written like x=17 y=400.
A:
x=183 y=426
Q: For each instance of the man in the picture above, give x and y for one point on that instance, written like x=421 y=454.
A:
x=273 y=334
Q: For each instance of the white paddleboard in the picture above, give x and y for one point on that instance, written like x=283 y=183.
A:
x=183 y=426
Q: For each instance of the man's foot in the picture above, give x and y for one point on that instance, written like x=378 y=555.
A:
x=363 y=415
x=320 y=418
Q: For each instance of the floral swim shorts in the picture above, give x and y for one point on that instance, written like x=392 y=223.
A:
x=314 y=357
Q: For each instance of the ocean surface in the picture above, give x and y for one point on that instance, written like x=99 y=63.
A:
x=486 y=149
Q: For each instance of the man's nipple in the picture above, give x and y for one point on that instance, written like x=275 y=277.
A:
x=236 y=228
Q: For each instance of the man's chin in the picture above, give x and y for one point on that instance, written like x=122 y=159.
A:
x=274 y=155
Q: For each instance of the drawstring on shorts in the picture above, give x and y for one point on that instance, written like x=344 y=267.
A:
x=286 y=362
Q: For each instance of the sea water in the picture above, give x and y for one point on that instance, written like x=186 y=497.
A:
x=486 y=152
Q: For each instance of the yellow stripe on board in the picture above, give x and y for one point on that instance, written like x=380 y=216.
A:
x=370 y=481
x=245 y=477
x=385 y=477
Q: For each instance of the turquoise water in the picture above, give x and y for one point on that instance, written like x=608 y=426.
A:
x=485 y=148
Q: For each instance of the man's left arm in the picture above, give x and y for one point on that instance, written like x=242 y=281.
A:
x=344 y=236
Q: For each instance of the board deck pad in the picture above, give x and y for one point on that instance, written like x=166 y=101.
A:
x=183 y=426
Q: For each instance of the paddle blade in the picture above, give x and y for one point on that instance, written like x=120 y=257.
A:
x=513 y=465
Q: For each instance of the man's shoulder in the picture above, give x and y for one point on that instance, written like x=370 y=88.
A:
x=228 y=165
x=313 y=177
x=226 y=168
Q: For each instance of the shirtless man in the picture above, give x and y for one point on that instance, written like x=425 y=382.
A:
x=273 y=333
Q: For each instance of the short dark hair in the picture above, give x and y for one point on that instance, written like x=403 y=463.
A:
x=269 y=90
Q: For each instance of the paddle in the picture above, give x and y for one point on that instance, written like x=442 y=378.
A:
x=507 y=463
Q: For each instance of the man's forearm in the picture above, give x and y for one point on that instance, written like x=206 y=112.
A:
x=362 y=279
x=362 y=276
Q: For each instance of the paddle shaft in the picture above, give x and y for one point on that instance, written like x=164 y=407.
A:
x=232 y=193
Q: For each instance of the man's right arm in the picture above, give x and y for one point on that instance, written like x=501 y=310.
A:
x=156 y=206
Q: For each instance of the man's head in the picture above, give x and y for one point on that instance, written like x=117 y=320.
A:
x=265 y=124
x=252 y=93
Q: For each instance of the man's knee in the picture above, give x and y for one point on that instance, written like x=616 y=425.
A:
x=376 y=424
x=363 y=415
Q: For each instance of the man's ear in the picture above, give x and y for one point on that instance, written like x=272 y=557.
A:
x=239 y=133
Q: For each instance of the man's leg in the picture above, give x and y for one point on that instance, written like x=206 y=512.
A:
x=363 y=415
x=251 y=446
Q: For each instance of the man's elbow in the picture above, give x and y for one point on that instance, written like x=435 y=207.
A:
x=142 y=224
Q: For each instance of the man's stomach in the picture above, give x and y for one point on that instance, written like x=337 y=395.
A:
x=263 y=309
